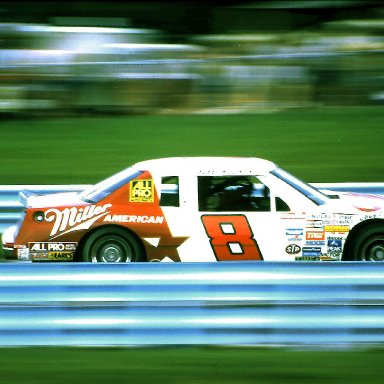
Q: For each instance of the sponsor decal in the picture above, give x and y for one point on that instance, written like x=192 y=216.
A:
x=330 y=257
x=370 y=216
x=134 y=219
x=318 y=221
x=320 y=216
x=60 y=256
x=49 y=246
x=307 y=258
x=19 y=246
x=344 y=219
x=52 y=251
x=141 y=191
x=74 y=219
x=294 y=239
x=314 y=224
x=336 y=228
x=23 y=254
x=312 y=251
x=315 y=242
x=294 y=232
x=39 y=256
x=292 y=249
x=293 y=216
x=314 y=236
x=334 y=244
x=53 y=256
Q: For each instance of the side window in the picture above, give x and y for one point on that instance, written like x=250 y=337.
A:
x=233 y=193
x=169 y=193
x=281 y=206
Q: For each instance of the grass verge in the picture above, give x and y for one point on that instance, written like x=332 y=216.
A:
x=318 y=145
x=189 y=365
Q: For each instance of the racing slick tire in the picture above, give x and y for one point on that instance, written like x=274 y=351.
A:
x=112 y=246
x=369 y=245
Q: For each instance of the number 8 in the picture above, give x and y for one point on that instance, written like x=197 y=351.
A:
x=231 y=237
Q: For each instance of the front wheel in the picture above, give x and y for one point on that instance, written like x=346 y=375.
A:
x=112 y=246
x=369 y=245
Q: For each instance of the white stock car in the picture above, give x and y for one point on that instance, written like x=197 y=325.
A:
x=199 y=209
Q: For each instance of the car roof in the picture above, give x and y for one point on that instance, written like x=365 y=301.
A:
x=198 y=165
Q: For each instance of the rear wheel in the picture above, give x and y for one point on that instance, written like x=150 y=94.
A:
x=369 y=245
x=112 y=246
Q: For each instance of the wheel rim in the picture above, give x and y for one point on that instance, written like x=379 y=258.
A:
x=373 y=249
x=111 y=250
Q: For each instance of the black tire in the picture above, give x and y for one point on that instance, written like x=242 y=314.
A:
x=112 y=246
x=368 y=244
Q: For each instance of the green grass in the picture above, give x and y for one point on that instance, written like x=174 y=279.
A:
x=189 y=365
x=318 y=145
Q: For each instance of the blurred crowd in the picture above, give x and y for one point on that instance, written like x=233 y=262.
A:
x=51 y=69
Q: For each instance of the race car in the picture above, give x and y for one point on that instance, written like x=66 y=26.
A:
x=199 y=209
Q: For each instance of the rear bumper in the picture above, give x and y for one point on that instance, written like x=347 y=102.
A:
x=9 y=253
x=8 y=239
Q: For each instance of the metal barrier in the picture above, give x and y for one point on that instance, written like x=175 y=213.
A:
x=229 y=303
x=11 y=207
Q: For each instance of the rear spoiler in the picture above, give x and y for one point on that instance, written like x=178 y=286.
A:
x=24 y=197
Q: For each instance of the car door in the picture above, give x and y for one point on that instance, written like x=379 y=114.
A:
x=242 y=219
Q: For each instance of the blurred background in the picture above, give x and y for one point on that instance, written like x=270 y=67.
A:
x=74 y=58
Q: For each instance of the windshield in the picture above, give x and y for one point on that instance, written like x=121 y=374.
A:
x=307 y=190
x=103 y=189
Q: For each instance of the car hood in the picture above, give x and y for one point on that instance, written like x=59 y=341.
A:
x=361 y=202
x=32 y=200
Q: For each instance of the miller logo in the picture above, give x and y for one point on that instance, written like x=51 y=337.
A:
x=141 y=191
x=74 y=219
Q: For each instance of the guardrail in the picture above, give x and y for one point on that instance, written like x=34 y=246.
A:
x=11 y=208
x=230 y=303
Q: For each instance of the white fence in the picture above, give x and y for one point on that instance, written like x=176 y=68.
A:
x=232 y=303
